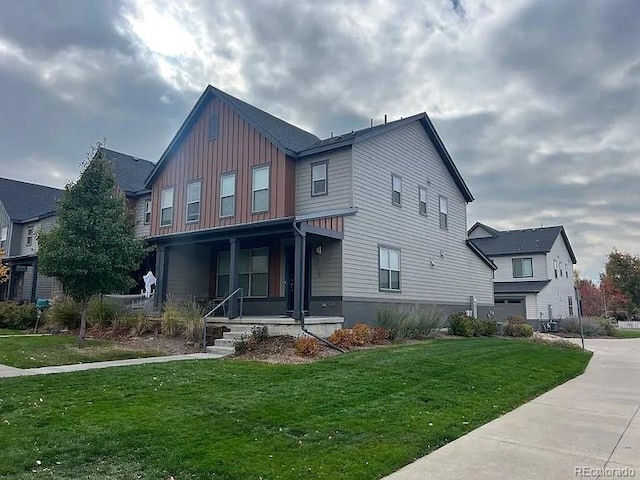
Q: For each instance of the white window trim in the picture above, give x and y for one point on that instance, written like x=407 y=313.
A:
x=198 y=201
x=29 y=236
x=147 y=211
x=521 y=259
x=426 y=202
x=254 y=190
x=442 y=200
x=393 y=190
x=222 y=177
x=163 y=208
x=382 y=248
x=325 y=177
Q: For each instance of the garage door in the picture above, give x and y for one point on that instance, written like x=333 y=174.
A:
x=509 y=307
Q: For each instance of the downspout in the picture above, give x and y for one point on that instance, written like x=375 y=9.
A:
x=302 y=235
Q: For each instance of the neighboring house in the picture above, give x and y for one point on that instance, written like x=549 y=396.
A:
x=26 y=209
x=534 y=278
x=334 y=227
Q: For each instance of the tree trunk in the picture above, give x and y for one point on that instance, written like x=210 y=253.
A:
x=83 y=324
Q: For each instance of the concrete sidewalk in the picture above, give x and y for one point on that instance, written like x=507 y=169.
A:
x=588 y=427
x=6 y=371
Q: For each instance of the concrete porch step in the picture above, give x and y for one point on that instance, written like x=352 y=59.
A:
x=221 y=350
x=225 y=342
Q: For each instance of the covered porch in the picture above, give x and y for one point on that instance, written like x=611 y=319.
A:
x=23 y=278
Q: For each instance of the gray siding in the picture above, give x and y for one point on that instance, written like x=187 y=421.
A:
x=479 y=232
x=5 y=221
x=326 y=270
x=15 y=237
x=556 y=293
x=187 y=271
x=44 y=289
x=142 y=230
x=339 y=183
x=46 y=224
x=504 y=273
x=456 y=273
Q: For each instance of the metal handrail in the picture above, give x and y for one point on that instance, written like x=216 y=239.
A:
x=223 y=302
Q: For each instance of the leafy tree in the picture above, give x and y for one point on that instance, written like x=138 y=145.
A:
x=591 y=297
x=623 y=270
x=93 y=248
x=4 y=270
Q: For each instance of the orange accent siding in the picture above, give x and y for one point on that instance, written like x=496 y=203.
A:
x=238 y=148
x=331 y=223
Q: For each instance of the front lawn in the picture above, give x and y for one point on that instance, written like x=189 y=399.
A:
x=627 y=333
x=29 y=352
x=8 y=331
x=355 y=416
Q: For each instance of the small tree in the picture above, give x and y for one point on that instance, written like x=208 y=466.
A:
x=93 y=248
x=623 y=269
x=4 y=270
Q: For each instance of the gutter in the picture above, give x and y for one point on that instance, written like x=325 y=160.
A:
x=301 y=234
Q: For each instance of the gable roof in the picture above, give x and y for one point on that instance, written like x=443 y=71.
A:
x=26 y=201
x=130 y=172
x=481 y=255
x=286 y=136
x=491 y=231
x=518 y=242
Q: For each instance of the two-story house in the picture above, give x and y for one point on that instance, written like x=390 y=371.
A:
x=333 y=227
x=534 y=278
x=26 y=209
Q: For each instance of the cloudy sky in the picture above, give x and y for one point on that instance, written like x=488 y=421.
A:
x=537 y=101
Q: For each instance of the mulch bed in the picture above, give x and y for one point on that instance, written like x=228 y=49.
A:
x=281 y=349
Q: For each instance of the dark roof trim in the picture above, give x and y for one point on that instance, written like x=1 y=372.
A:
x=481 y=255
x=519 y=287
x=568 y=245
x=491 y=231
x=36 y=218
x=340 y=212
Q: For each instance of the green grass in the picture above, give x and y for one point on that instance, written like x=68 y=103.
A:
x=29 y=352
x=626 y=333
x=356 y=416
x=8 y=331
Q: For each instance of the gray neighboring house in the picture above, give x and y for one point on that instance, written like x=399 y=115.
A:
x=26 y=209
x=534 y=278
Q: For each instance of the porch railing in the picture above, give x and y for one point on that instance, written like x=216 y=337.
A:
x=226 y=300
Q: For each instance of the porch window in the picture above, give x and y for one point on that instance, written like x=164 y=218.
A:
x=3 y=237
x=570 y=300
x=147 y=212
x=389 y=266
x=319 y=179
x=422 y=201
x=522 y=267
x=193 y=201
x=227 y=195
x=166 y=207
x=253 y=273
x=444 y=212
x=260 y=189
x=29 y=235
x=396 y=190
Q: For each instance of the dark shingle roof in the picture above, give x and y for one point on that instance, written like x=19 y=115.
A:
x=131 y=172
x=516 y=242
x=24 y=201
x=519 y=287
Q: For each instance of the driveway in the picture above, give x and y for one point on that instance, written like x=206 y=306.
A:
x=588 y=427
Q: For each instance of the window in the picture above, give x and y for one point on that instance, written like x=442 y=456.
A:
x=555 y=268
x=422 y=200
x=570 y=301
x=566 y=270
x=213 y=126
x=319 y=179
x=260 y=189
x=396 y=190
x=444 y=212
x=147 y=212
x=389 y=261
x=29 y=235
x=3 y=237
x=522 y=267
x=193 y=201
x=228 y=195
x=166 y=207
x=253 y=273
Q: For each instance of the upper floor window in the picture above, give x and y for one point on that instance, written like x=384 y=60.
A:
x=193 y=201
x=444 y=212
x=422 y=200
x=566 y=270
x=147 y=212
x=555 y=268
x=396 y=190
x=319 y=181
x=522 y=267
x=3 y=237
x=228 y=195
x=166 y=207
x=260 y=189
x=29 y=235
x=389 y=268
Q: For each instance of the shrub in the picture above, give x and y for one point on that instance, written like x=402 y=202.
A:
x=192 y=315
x=462 y=325
x=101 y=313
x=170 y=323
x=142 y=324
x=380 y=335
x=259 y=333
x=123 y=321
x=342 y=338
x=247 y=343
x=361 y=334
x=64 y=313
x=17 y=316
x=517 y=327
x=591 y=326
x=306 y=347
x=410 y=321
x=487 y=327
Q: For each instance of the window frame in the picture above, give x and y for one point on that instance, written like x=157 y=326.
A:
x=555 y=268
x=266 y=166
x=393 y=190
x=222 y=197
x=173 y=201
x=251 y=273
x=570 y=305
x=29 y=239
x=426 y=202
x=390 y=249
x=187 y=202
x=442 y=214
x=4 y=234
x=147 y=211
x=521 y=259
x=324 y=163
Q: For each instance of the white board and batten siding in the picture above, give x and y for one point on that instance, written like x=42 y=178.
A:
x=558 y=291
x=339 y=191
x=457 y=273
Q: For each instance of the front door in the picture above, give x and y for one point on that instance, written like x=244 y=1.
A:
x=289 y=277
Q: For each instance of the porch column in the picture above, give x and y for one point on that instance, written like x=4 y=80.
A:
x=12 y=282
x=234 y=253
x=161 y=282
x=298 y=275
x=34 y=282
